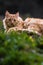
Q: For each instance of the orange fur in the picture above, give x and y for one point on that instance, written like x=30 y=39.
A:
x=34 y=24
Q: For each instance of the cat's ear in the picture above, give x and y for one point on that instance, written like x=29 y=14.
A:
x=7 y=14
x=17 y=14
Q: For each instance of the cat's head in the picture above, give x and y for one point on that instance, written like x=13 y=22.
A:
x=12 y=19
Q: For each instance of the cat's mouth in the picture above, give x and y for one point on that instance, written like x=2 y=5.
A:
x=10 y=25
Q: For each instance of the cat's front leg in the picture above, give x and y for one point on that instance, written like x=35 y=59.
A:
x=12 y=29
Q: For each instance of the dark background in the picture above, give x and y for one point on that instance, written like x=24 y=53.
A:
x=32 y=7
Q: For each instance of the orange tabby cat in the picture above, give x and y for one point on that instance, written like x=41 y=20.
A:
x=15 y=22
x=12 y=20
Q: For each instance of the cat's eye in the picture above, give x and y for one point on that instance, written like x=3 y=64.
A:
x=14 y=20
x=9 y=19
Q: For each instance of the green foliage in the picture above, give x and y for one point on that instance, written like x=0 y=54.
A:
x=20 y=49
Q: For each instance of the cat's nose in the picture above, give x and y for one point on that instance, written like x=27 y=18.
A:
x=12 y=21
